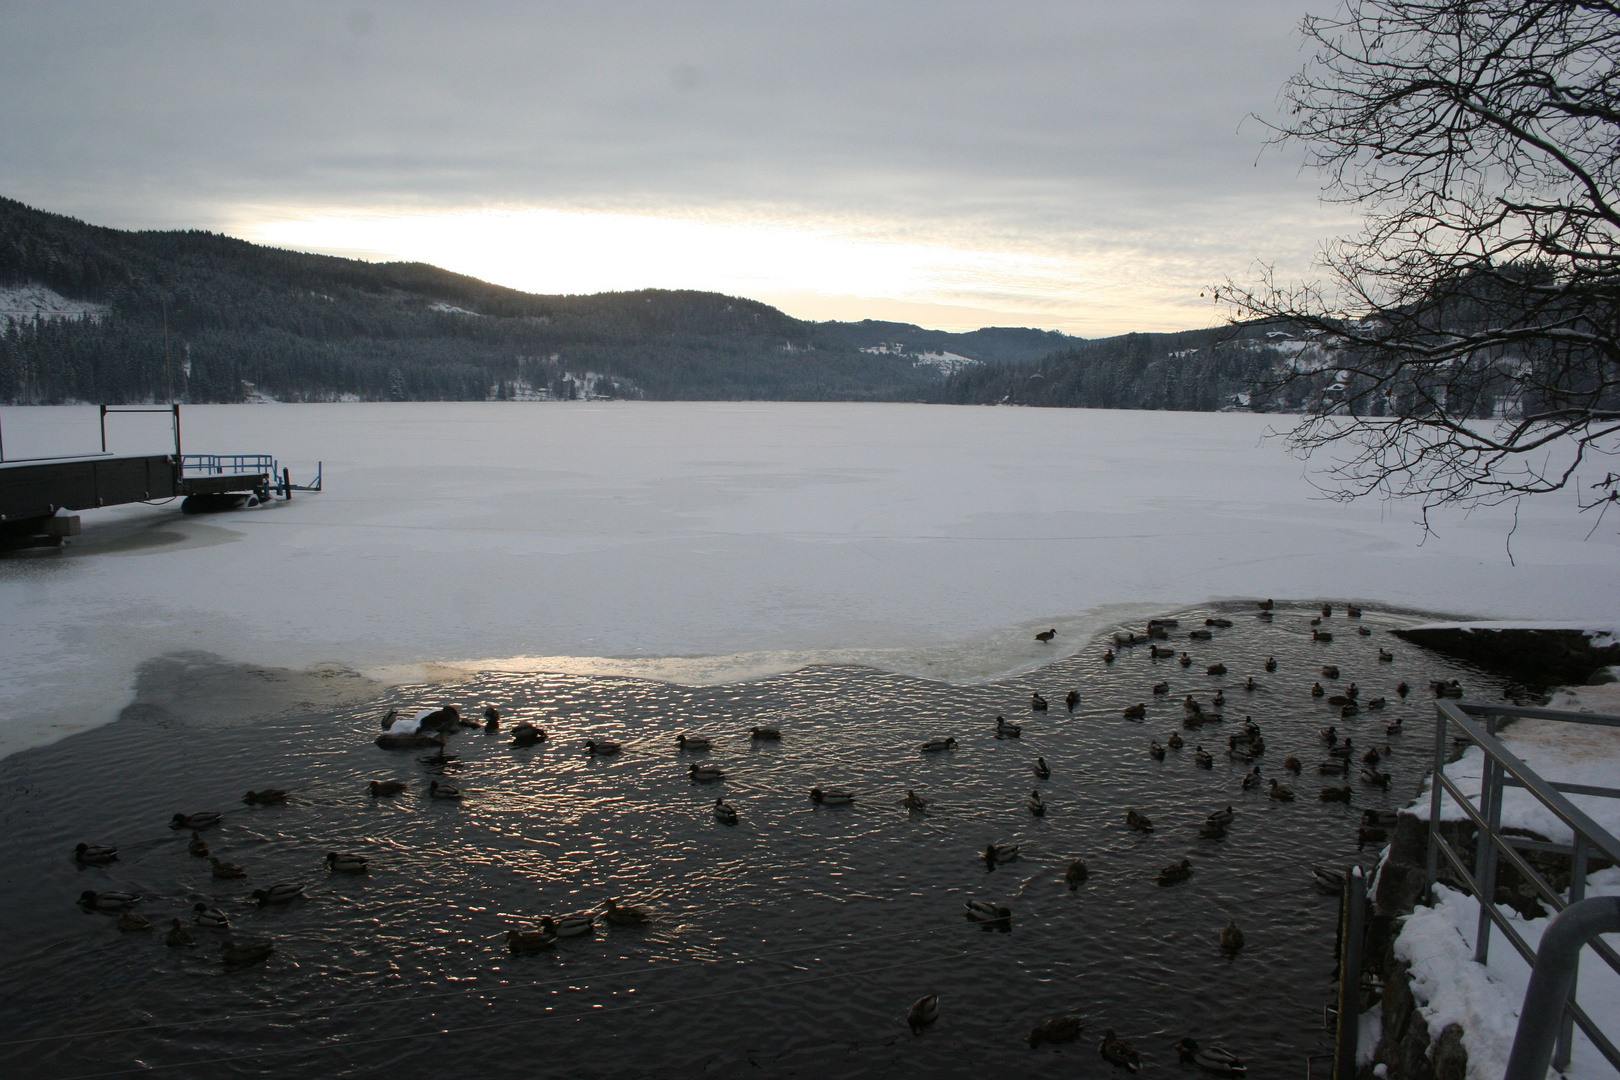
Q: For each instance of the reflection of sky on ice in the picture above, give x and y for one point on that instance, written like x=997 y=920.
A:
x=710 y=542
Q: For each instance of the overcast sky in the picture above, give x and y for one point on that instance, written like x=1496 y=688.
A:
x=1079 y=166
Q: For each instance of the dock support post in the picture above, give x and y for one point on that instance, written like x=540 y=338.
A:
x=1352 y=927
x=286 y=483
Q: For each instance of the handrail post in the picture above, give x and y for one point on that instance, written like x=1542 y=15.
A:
x=1442 y=725
x=1552 y=981
x=1490 y=808
x=1354 y=923
x=1566 y=1020
x=103 y=429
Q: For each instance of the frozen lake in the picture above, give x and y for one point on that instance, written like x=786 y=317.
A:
x=711 y=542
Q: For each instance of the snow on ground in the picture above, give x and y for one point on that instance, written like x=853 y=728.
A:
x=707 y=542
x=29 y=301
x=1438 y=943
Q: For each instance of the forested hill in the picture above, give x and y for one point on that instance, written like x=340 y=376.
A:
x=242 y=321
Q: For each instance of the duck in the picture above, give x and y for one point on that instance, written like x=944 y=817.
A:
x=1185 y=660
x=94 y=854
x=1212 y=830
x=1200 y=635
x=621 y=915
x=1036 y=806
x=243 y=953
x=693 y=742
x=705 y=774
x=832 y=797
x=914 y=802
x=269 y=796
x=1154 y=652
x=1190 y=704
x=203 y=915
x=132 y=923
x=1222 y=817
x=1372 y=756
x=1327 y=611
x=995 y=854
x=1175 y=742
x=1249 y=683
x=1232 y=939
x=724 y=812
x=107 y=900
x=1373 y=778
x=1338 y=699
x=526 y=733
x=1321 y=635
x=284 y=892
x=1385 y=656
x=1317 y=621
x=765 y=734
x=1042 y=769
x=437 y=790
x=1271 y=663
x=340 y=863
x=1219 y=624
x=1393 y=729
x=1402 y=689
x=1353 y=610
x=1005 y=730
x=1330 y=882
x=382 y=789
x=1365 y=836
x=529 y=942
x=1139 y=822
x=206 y=819
x=1292 y=764
x=1046 y=636
x=445 y=718
x=1317 y=691
x=1334 y=767
x=1329 y=735
x=178 y=936
x=925 y=1010
x=1203 y=758
x=1155 y=751
x=1344 y=750
x=1384 y=818
x=492 y=718
x=1252 y=779
x=1135 y=712
x=227 y=871
x=1267 y=605
x=601 y=747
x=1161 y=687
x=987 y=911
x=1119 y=1052
x=1280 y=793
x=569 y=925
x=1374 y=704
x=1336 y=794
x=1216 y=669
x=936 y=745
x=1363 y=631
x=1349 y=709
x=1036 y=702
x=1076 y=874
x=1108 y=657
x=1219 y=699
x=198 y=847
x=1213 y=1059
x=1059 y=1029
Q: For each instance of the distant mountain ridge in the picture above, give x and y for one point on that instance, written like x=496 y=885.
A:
x=123 y=316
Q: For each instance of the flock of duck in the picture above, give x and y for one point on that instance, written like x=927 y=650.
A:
x=431 y=728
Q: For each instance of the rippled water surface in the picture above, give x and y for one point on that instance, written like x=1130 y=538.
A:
x=791 y=944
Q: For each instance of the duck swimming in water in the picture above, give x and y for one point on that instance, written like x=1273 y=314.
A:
x=203 y=915
x=704 y=774
x=198 y=847
x=601 y=747
x=1336 y=794
x=1176 y=873
x=925 y=1010
x=1155 y=751
x=1071 y=699
x=94 y=854
x=935 y=745
x=1280 y=793
x=526 y=733
x=437 y=790
x=1252 y=779
x=1222 y=817
x=1119 y=1052
x=995 y=854
x=226 y=871
x=340 y=863
x=1175 y=742
x=178 y=936
x=1036 y=806
x=1203 y=758
x=1139 y=822
x=987 y=911
x=621 y=915
x=1271 y=663
x=281 y=893
x=1059 y=1029
x=1291 y=763
x=1037 y=702
x=492 y=718
x=383 y=788
x=1076 y=874
x=764 y=734
x=1005 y=730
x=107 y=900
x=693 y=743
x=1135 y=712
x=203 y=820
x=1041 y=769
x=569 y=925
x=832 y=797
x=1161 y=687
x=1232 y=939
x=914 y=802
x=724 y=813
x=529 y=942
x=244 y=953
x=267 y=797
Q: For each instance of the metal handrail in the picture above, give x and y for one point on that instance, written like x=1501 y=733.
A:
x=1553 y=981
x=1504 y=769
x=215 y=464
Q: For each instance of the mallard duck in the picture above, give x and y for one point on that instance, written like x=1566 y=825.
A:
x=724 y=812
x=1190 y=704
x=198 y=847
x=1037 y=702
x=832 y=797
x=383 y=788
x=1385 y=656
x=1321 y=635
x=1175 y=742
x=925 y=1010
x=1329 y=735
x=1222 y=817
x=1334 y=767
x=1176 y=873
x=1387 y=818
x=529 y=942
x=1231 y=939
x=131 y=922
x=243 y=953
x=1108 y=657
x=705 y=774
x=620 y=915
x=601 y=747
x=1213 y=1059
x=1119 y=1052
x=1219 y=624
x=1045 y=636
x=1280 y=793
x=1216 y=669
x=1317 y=691
x=203 y=820
x=227 y=871
x=1346 y=749
x=1076 y=874
x=94 y=854
x=1041 y=769
x=1203 y=758
x=1139 y=822
x=1363 y=631
x=525 y=733
x=340 y=863
x=1200 y=635
x=1219 y=699
x=995 y=854
x=1185 y=660
x=1402 y=689
x=1060 y=1029
x=694 y=742
x=1154 y=652
x=1071 y=699
x=765 y=734
x=1372 y=757
x=1365 y=836
x=1005 y=730
x=1267 y=605
x=1155 y=751
x=1036 y=806
x=1327 y=611
x=492 y=718
x=107 y=900
x=913 y=801
x=178 y=936
x=203 y=915
x=1292 y=764
x=1185 y=1049
x=437 y=790
x=1336 y=794
x=1135 y=712
x=1271 y=663
x=1373 y=778
x=1349 y=710
x=935 y=745
x=283 y=892
x=569 y=925
x=1393 y=729
x=987 y=911
x=1330 y=882
x=1375 y=704
x=267 y=797
x=1161 y=687
x=1338 y=699
x=1252 y=779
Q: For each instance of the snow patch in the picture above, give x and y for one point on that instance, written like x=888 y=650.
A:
x=24 y=303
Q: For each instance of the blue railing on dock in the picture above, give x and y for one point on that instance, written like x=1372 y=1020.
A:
x=249 y=464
